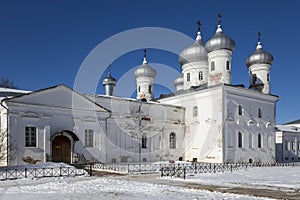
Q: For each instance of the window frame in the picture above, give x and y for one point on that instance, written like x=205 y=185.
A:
x=89 y=137
x=200 y=76
x=259 y=141
x=195 y=111
x=172 y=140
x=240 y=110
x=240 y=140
x=227 y=65
x=144 y=141
x=212 y=66
x=32 y=135
x=188 y=77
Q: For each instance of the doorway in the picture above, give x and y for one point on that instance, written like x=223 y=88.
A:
x=61 y=149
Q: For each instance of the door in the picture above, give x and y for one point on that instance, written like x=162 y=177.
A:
x=61 y=149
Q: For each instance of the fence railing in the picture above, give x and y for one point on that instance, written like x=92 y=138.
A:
x=180 y=169
x=197 y=168
x=9 y=174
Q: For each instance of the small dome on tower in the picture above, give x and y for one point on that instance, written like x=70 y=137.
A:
x=259 y=56
x=109 y=80
x=145 y=70
x=179 y=80
x=195 y=52
x=220 y=40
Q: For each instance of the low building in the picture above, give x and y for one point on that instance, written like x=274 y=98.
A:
x=288 y=142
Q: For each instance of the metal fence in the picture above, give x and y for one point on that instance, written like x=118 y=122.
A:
x=197 y=168
x=181 y=169
x=131 y=168
x=9 y=174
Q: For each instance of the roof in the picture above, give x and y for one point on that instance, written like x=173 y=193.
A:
x=287 y=128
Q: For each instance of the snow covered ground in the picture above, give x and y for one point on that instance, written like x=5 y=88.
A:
x=260 y=177
x=100 y=188
x=127 y=187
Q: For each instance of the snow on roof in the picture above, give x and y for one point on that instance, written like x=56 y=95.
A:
x=13 y=90
x=288 y=128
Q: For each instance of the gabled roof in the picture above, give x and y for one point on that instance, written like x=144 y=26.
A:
x=57 y=96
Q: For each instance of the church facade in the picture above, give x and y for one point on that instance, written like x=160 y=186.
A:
x=207 y=119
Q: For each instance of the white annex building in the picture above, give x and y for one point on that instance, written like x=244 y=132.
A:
x=207 y=119
x=288 y=142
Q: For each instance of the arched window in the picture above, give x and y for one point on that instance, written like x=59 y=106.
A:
x=201 y=76
x=259 y=141
x=227 y=65
x=212 y=66
x=259 y=113
x=188 y=77
x=172 y=140
x=240 y=110
x=150 y=89
x=144 y=141
x=240 y=140
x=254 y=79
x=139 y=89
x=195 y=111
x=268 y=77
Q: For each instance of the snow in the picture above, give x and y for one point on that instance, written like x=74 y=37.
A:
x=129 y=187
x=259 y=177
x=38 y=165
x=100 y=188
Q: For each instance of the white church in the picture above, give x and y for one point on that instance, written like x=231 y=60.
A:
x=207 y=119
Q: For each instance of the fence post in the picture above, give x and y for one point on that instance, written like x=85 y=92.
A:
x=161 y=172
x=214 y=168
x=184 y=172
x=25 y=172
x=91 y=170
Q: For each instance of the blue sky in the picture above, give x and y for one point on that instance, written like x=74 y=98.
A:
x=43 y=43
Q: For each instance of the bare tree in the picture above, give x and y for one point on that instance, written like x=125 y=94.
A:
x=6 y=83
x=7 y=147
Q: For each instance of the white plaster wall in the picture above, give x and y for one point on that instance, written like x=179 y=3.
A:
x=220 y=74
x=250 y=125
x=290 y=146
x=143 y=83
x=194 y=68
x=262 y=71
x=203 y=132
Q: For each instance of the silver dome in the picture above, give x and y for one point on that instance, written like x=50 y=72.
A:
x=220 y=41
x=109 y=80
x=145 y=70
x=259 y=56
x=195 y=52
x=179 y=80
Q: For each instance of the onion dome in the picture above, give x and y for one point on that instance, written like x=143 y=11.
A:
x=220 y=40
x=195 y=52
x=109 y=80
x=259 y=56
x=179 y=80
x=145 y=70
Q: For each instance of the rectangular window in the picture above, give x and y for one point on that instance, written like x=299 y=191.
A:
x=89 y=138
x=30 y=136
